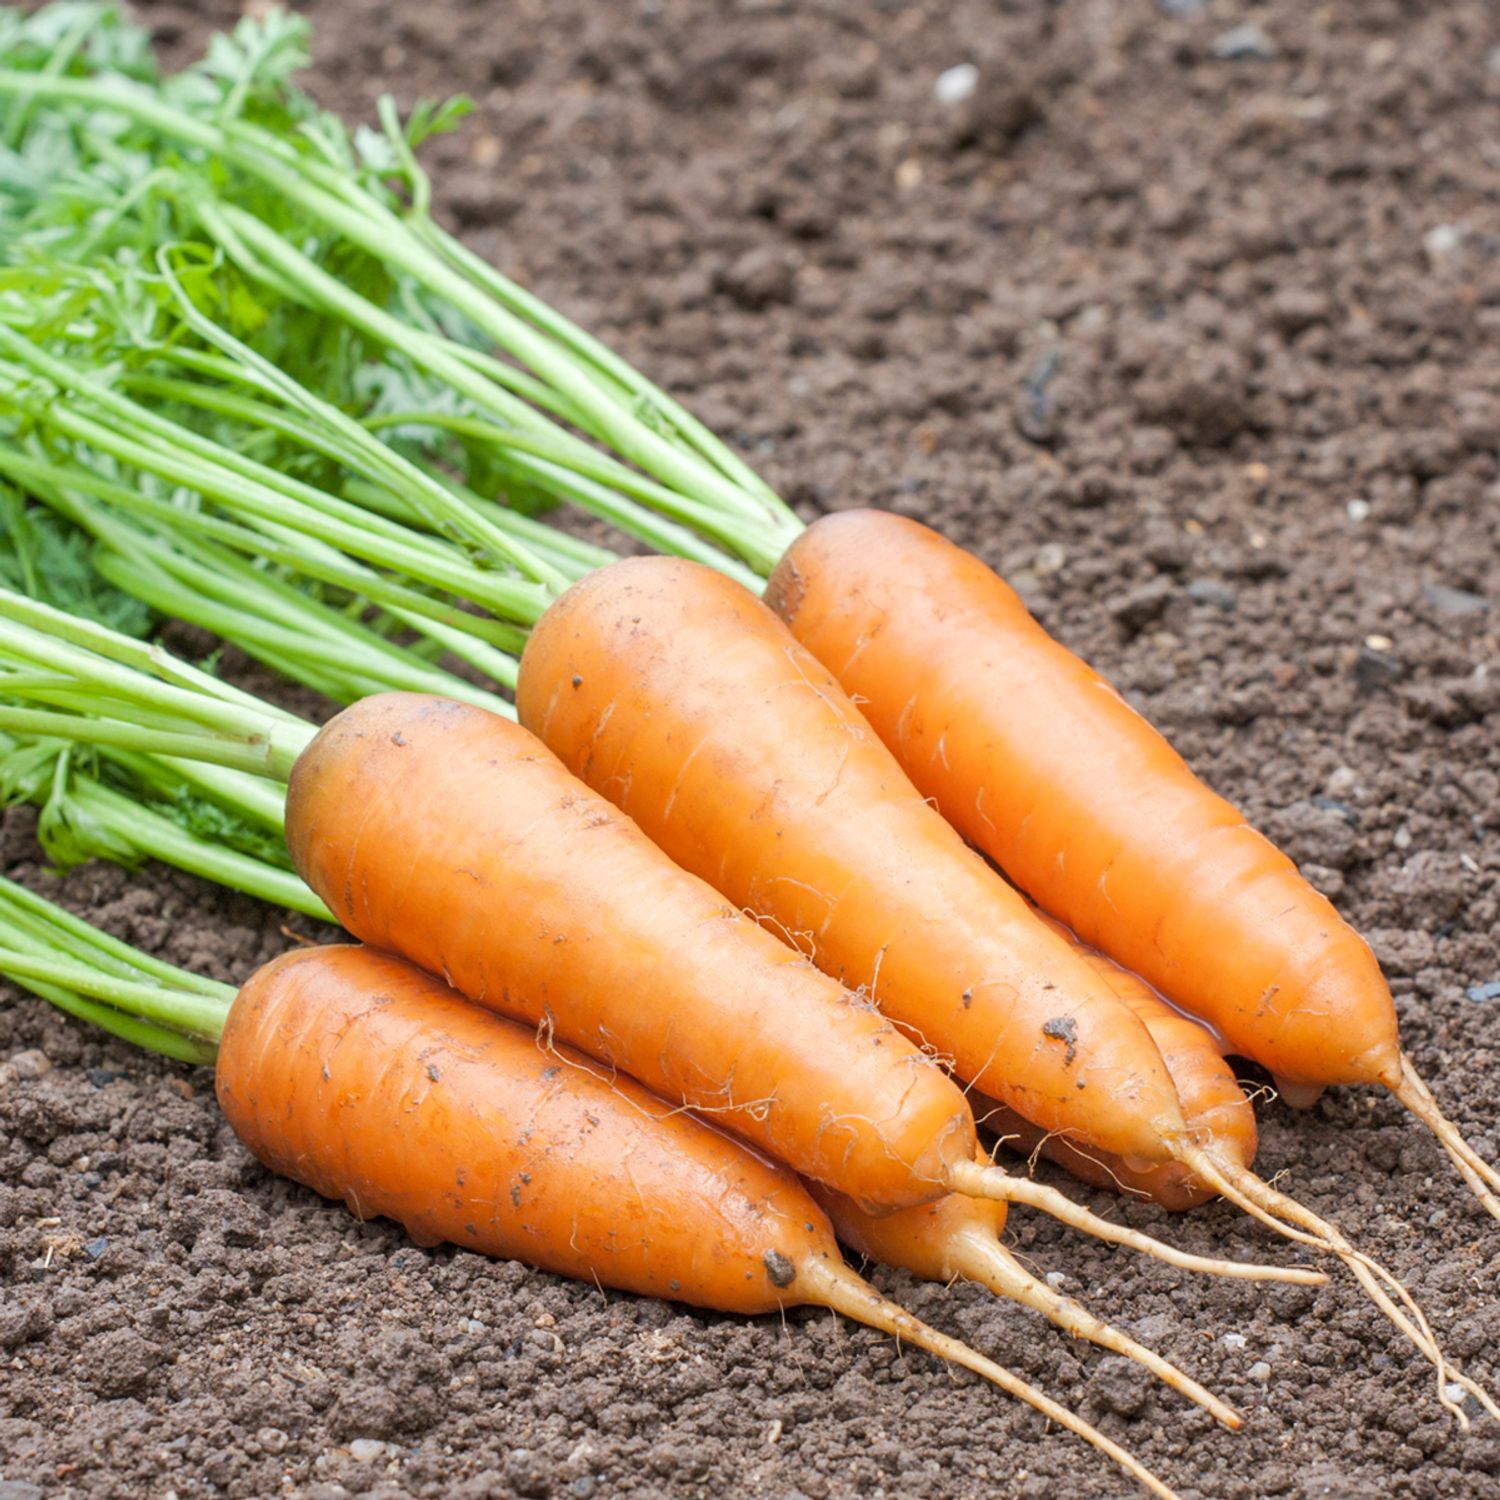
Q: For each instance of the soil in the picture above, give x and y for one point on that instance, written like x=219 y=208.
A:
x=1186 y=320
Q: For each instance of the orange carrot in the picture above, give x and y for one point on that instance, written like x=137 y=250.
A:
x=959 y=1239
x=678 y=695
x=1039 y=762
x=542 y=902
x=373 y=1082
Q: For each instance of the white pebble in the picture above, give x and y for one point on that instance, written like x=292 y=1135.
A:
x=1056 y=1280
x=1441 y=241
x=1235 y=1341
x=1358 y=510
x=473 y=1325
x=367 y=1450
x=1050 y=558
x=1260 y=1371
x=1455 y=1393
x=1401 y=838
x=956 y=84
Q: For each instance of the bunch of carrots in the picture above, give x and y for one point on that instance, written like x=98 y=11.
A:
x=797 y=892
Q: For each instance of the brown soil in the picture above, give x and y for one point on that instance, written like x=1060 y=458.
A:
x=1199 y=350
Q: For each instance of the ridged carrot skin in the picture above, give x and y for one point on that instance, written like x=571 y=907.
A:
x=1040 y=763
x=447 y=834
x=678 y=695
x=372 y=1082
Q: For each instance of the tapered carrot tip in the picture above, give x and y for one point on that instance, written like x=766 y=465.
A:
x=1265 y=1202
x=983 y=1259
x=1482 y=1178
x=994 y=1182
x=832 y=1284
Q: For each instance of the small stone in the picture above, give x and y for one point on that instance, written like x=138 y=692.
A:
x=1211 y=591
x=1260 y=1372
x=272 y=1440
x=1235 y=1341
x=1050 y=558
x=367 y=1450
x=1401 y=838
x=955 y=84
x=1481 y=993
x=472 y=1325
x=1248 y=40
x=99 y=1077
x=1455 y=1393
x=95 y=1248
x=1141 y=606
x=30 y=1065
x=1441 y=241
x=1372 y=670
x=1450 y=601
x=1056 y=1280
x=758 y=279
x=1357 y=510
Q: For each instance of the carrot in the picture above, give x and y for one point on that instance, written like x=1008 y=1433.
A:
x=958 y=1238
x=1034 y=758
x=372 y=1082
x=607 y=944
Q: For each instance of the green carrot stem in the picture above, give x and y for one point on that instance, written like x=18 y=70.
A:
x=192 y=1013
x=254 y=753
x=160 y=838
x=60 y=929
x=487 y=639
x=456 y=365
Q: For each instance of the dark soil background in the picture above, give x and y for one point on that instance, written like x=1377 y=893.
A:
x=1187 y=319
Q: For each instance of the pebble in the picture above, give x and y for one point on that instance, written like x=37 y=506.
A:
x=1051 y=557
x=1455 y=1393
x=956 y=84
x=1479 y=993
x=100 y=1077
x=1248 y=40
x=472 y=1325
x=1401 y=838
x=1056 y=1280
x=367 y=1450
x=1260 y=1372
x=1235 y=1341
x=95 y=1248
x=1449 y=601
x=272 y=1439
x=1441 y=241
x=1211 y=591
x=1357 y=510
x=31 y=1064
